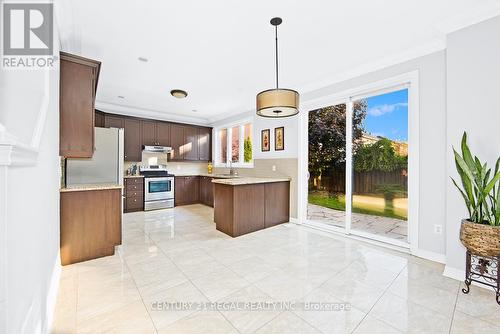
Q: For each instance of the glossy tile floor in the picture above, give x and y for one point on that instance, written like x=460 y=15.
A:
x=318 y=283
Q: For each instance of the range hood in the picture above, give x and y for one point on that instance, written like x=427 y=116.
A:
x=156 y=149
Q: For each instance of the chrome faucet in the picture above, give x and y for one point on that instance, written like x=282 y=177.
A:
x=232 y=171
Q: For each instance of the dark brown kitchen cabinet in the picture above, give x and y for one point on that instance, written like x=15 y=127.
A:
x=155 y=133
x=149 y=133
x=206 y=191
x=99 y=119
x=90 y=225
x=177 y=142
x=188 y=142
x=78 y=84
x=133 y=139
x=204 y=144
x=190 y=147
x=134 y=194
x=187 y=190
x=114 y=121
x=163 y=133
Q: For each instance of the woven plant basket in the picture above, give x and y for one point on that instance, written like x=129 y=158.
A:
x=479 y=239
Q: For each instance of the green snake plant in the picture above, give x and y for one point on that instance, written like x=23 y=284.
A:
x=480 y=189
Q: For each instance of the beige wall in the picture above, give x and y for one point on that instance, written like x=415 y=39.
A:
x=283 y=168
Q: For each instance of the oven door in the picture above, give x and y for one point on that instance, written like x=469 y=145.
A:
x=158 y=188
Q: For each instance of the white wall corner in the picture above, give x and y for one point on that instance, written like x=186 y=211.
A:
x=52 y=295
x=14 y=153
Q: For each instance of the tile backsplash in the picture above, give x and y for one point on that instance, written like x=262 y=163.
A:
x=173 y=167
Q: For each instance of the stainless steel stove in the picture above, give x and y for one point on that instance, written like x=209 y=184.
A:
x=158 y=187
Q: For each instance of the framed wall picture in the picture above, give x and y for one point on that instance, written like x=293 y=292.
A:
x=265 y=140
x=279 y=138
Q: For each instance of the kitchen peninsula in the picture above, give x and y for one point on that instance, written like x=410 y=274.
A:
x=248 y=204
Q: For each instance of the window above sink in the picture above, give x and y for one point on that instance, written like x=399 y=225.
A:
x=234 y=145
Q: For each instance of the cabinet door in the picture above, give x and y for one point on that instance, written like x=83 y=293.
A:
x=192 y=188
x=206 y=191
x=133 y=139
x=210 y=192
x=204 y=144
x=149 y=133
x=76 y=103
x=177 y=141
x=180 y=192
x=99 y=119
x=163 y=133
x=203 y=190
x=112 y=121
x=190 y=149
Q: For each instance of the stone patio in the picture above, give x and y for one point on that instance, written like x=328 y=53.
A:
x=382 y=226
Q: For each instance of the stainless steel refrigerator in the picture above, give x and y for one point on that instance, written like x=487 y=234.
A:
x=105 y=166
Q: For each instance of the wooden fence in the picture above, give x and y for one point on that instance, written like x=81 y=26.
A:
x=363 y=182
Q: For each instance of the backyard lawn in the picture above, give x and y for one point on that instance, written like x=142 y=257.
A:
x=367 y=204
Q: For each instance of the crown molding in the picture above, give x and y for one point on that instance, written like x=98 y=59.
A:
x=148 y=113
x=14 y=153
x=468 y=19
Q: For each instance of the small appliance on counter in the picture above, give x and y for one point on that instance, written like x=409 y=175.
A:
x=158 y=187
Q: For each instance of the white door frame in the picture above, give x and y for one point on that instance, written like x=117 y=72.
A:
x=411 y=81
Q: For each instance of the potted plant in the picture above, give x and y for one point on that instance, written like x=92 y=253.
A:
x=480 y=232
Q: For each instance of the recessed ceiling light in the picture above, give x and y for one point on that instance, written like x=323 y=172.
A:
x=143 y=59
x=121 y=96
x=178 y=93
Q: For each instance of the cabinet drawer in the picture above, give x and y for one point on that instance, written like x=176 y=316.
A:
x=135 y=193
x=134 y=180
x=135 y=187
x=134 y=203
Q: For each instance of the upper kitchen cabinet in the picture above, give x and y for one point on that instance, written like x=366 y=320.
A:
x=163 y=133
x=114 y=121
x=177 y=142
x=204 y=144
x=190 y=143
x=133 y=139
x=155 y=133
x=78 y=84
x=190 y=147
x=149 y=133
x=99 y=121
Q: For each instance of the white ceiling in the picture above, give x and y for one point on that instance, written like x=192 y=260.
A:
x=222 y=52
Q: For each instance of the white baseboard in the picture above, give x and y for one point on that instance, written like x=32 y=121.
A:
x=432 y=256
x=454 y=273
x=294 y=220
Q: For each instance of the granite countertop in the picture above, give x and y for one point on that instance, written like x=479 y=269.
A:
x=91 y=186
x=132 y=176
x=218 y=176
x=249 y=180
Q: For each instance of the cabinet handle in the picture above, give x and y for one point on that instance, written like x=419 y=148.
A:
x=135 y=200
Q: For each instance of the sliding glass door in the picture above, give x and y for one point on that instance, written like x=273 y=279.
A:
x=380 y=166
x=327 y=165
x=358 y=166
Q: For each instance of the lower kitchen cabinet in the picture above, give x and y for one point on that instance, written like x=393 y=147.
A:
x=91 y=224
x=134 y=194
x=187 y=190
x=206 y=191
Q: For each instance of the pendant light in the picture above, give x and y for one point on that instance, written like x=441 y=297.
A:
x=278 y=102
